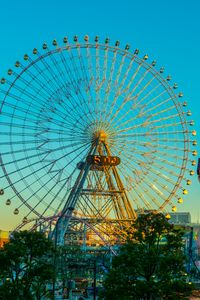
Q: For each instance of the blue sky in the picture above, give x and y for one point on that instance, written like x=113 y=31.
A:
x=168 y=31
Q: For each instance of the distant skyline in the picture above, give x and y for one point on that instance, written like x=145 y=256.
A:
x=168 y=31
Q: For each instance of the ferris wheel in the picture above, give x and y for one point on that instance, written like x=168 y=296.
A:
x=95 y=106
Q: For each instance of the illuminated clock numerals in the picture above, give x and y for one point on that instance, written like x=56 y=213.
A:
x=113 y=160
x=101 y=160
x=97 y=159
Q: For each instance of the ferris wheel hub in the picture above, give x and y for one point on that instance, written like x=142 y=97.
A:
x=101 y=135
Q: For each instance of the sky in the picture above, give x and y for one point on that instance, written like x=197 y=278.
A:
x=168 y=31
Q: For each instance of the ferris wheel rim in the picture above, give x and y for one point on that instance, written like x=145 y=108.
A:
x=155 y=73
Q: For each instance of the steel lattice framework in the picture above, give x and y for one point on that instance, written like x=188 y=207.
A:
x=61 y=105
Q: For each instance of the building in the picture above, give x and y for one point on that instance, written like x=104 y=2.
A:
x=183 y=218
x=4 y=237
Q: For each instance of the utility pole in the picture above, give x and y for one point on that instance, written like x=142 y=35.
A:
x=55 y=261
x=95 y=278
x=190 y=250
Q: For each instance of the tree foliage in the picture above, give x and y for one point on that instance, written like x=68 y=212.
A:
x=151 y=265
x=26 y=266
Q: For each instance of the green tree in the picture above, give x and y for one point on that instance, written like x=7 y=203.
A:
x=26 y=266
x=151 y=265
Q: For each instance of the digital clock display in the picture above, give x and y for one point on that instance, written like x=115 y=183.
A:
x=103 y=160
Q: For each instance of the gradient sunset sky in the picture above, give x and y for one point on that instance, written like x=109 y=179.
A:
x=168 y=31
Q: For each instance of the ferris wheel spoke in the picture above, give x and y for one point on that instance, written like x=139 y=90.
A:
x=159 y=170
x=54 y=198
x=85 y=146
x=147 y=95
x=144 y=112
x=164 y=111
x=70 y=87
x=120 y=91
x=69 y=108
x=153 y=203
x=41 y=141
x=129 y=98
x=165 y=161
x=17 y=151
x=160 y=103
x=135 y=98
x=43 y=137
x=149 y=133
x=171 y=116
x=80 y=78
x=142 y=89
x=18 y=98
x=48 y=109
x=34 y=194
x=21 y=110
x=174 y=125
x=43 y=186
x=56 y=69
x=69 y=73
x=149 y=167
x=55 y=82
x=120 y=69
x=84 y=73
x=172 y=141
x=166 y=177
x=42 y=129
x=154 y=198
x=165 y=190
x=137 y=84
x=49 y=164
x=134 y=75
x=26 y=90
x=47 y=152
x=87 y=80
x=33 y=97
x=73 y=82
x=102 y=84
x=16 y=125
x=31 y=174
x=52 y=76
x=109 y=82
x=126 y=75
x=105 y=66
x=97 y=78
x=173 y=156
x=35 y=84
x=117 y=87
x=142 y=196
x=77 y=74
x=166 y=147
x=21 y=118
x=147 y=164
x=91 y=77
x=147 y=122
x=81 y=98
